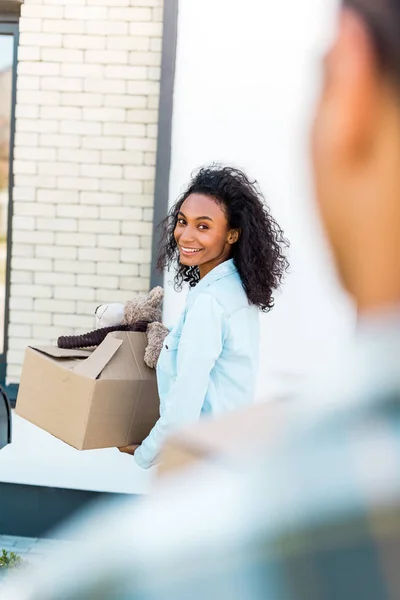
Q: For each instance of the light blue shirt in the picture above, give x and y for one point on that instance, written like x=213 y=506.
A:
x=209 y=361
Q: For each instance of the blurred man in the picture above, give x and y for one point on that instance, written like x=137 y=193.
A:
x=356 y=152
x=319 y=516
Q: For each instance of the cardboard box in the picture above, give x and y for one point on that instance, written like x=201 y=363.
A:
x=223 y=440
x=102 y=398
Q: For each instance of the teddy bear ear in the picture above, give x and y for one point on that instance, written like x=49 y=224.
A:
x=156 y=296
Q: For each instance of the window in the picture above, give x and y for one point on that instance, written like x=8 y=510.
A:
x=8 y=58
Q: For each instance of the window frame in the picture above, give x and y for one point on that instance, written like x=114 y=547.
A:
x=9 y=25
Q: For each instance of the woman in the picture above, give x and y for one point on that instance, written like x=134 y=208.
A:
x=223 y=242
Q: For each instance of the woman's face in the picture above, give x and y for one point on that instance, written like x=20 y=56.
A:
x=202 y=233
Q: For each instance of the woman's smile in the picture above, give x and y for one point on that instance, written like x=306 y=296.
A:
x=189 y=251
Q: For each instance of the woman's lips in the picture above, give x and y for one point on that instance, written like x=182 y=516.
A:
x=190 y=251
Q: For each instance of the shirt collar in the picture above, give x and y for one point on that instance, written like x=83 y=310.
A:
x=223 y=270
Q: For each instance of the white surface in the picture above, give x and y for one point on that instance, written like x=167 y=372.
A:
x=37 y=458
x=247 y=76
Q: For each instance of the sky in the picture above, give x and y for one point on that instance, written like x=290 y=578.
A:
x=6 y=51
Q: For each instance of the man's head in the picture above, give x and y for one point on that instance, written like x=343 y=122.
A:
x=356 y=151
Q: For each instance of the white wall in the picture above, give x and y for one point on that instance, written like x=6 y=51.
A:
x=84 y=164
x=247 y=76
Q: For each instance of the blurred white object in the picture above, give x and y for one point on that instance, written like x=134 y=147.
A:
x=108 y=315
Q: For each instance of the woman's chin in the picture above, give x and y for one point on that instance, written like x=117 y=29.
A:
x=189 y=261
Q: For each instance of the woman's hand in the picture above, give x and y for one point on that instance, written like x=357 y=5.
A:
x=129 y=449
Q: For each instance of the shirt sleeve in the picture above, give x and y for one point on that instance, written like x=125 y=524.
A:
x=199 y=347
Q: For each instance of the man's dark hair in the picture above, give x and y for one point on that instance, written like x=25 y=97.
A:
x=382 y=18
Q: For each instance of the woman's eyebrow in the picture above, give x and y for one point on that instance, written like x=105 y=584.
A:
x=204 y=218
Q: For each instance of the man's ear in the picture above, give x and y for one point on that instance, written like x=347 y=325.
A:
x=233 y=236
x=354 y=84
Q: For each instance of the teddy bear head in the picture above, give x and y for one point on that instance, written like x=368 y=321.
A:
x=144 y=308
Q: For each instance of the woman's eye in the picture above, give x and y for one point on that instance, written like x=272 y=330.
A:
x=181 y=222
x=203 y=227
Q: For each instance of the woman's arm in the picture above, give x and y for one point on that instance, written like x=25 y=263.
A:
x=200 y=345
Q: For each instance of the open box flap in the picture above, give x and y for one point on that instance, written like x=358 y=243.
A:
x=98 y=359
x=128 y=364
x=55 y=352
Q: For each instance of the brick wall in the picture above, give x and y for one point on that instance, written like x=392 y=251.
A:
x=85 y=150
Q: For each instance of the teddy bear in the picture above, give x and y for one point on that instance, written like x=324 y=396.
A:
x=142 y=314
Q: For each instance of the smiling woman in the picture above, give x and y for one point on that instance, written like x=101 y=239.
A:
x=203 y=241
x=226 y=214
x=223 y=242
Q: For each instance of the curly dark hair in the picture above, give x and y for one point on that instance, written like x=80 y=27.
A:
x=259 y=252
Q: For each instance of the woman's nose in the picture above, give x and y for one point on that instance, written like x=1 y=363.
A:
x=188 y=234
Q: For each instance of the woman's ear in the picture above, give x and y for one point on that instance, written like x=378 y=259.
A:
x=233 y=236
